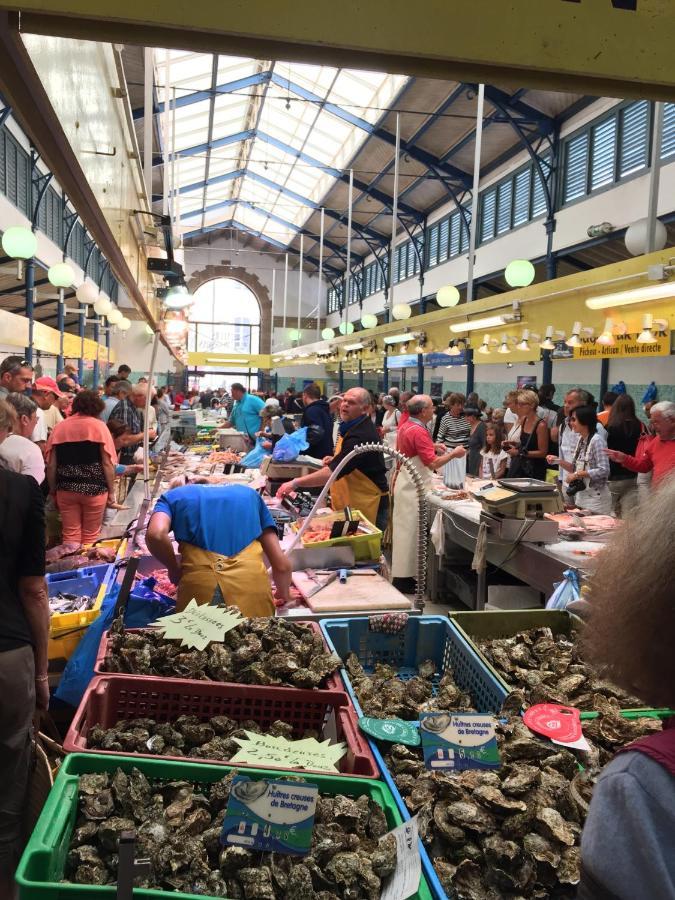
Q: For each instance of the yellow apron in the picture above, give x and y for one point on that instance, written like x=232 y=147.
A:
x=355 y=490
x=242 y=579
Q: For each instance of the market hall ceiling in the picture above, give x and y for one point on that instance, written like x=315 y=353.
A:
x=262 y=146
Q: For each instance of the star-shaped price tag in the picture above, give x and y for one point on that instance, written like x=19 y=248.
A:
x=196 y=626
x=267 y=750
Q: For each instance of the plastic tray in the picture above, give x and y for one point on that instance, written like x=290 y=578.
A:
x=111 y=698
x=424 y=637
x=42 y=865
x=332 y=682
x=366 y=546
x=66 y=629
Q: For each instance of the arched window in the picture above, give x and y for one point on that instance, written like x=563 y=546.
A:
x=225 y=318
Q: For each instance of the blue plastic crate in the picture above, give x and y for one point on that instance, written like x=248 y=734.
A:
x=424 y=637
x=87 y=580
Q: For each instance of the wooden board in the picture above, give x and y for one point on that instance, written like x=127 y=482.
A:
x=370 y=593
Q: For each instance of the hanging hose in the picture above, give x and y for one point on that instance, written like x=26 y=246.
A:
x=422 y=535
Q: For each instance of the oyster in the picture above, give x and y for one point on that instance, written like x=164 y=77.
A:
x=258 y=651
x=179 y=823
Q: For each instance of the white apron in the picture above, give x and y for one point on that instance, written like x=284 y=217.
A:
x=405 y=520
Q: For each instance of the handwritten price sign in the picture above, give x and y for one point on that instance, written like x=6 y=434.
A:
x=267 y=750
x=198 y=625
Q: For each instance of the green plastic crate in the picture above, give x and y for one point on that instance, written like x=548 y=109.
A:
x=42 y=864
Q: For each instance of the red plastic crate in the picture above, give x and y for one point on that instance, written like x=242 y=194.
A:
x=332 y=682
x=110 y=698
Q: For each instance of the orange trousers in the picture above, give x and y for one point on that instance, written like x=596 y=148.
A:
x=81 y=516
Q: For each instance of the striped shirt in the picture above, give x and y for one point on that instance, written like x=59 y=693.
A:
x=455 y=431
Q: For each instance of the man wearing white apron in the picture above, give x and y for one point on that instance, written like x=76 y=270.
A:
x=415 y=441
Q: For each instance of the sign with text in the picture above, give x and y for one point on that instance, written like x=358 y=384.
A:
x=405 y=879
x=444 y=359
x=625 y=345
x=276 y=816
x=458 y=741
x=405 y=361
x=267 y=750
x=198 y=625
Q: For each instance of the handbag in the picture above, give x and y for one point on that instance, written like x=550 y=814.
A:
x=521 y=466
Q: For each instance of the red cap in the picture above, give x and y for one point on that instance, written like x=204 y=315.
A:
x=45 y=383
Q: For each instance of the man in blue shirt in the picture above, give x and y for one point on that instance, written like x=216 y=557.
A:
x=245 y=416
x=222 y=532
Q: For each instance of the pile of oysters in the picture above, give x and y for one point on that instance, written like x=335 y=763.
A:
x=178 y=826
x=185 y=736
x=548 y=668
x=384 y=695
x=264 y=651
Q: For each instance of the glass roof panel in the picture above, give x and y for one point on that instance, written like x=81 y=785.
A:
x=300 y=123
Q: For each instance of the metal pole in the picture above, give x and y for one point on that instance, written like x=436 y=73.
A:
x=146 y=418
x=420 y=373
x=274 y=291
x=360 y=375
x=173 y=157
x=107 y=346
x=547 y=367
x=341 y=379
x=285 y=292
x=166 y=133
x=148 y=116
x=318 y=291
x=348 y=273
x=394 y=218
x=655 y=176
x=474 y=193
x=29 y=275
x=604 y=380
x=385 y=378
x=470 y=370
x=61 y=325
x=81 y=325
x=98 y=349
x=302 y=250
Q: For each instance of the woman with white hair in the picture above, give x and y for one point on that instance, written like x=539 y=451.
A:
x=17 y=452
x=390 y=420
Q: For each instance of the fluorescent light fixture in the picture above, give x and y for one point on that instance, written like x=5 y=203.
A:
x=220 y=359
x=359 y=345
x=547 y=343
x=398 y=338
x=646 y=336
x=638 y=295
x=606 y=337
x=488 y=322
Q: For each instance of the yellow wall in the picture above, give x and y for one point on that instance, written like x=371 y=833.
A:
x=14 y=330
x=79 y=77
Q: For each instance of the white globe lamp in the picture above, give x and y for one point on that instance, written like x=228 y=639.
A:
x=401 y=311
x=328 y=334
x=61 y=275
x=114 y=316
x=124 y=324
x=519 y=273
x=369 y=320
x=102 y=304
x=447 y=296
x=637 y=233
x=88 y=293
x=19 y=243
x=346 y=328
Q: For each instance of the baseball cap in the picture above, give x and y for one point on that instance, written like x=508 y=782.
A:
x=45 y=383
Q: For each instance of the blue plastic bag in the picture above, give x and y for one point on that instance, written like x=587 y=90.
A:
x=254 y=457
x=290 y=446
x=650 y=394
x=565 y=591
x=146 y=605
x=619 y=387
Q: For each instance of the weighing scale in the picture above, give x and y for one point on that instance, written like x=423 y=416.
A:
x=514 y=508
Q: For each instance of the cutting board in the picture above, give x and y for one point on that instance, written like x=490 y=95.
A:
x=369 y=593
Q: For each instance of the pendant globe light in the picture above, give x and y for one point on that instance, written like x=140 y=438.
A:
x=447 y=296
x=19 y=243
x=401 y=311
x=88 y=293
x=368 y=320
x=102 y=305
x=115 y=316
x=124 y=324
x=346 y=328
x=61 y=275
x=519 y=273
x=328 y=334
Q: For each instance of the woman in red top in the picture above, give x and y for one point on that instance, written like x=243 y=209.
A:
x=415 y=441
x=659 y=454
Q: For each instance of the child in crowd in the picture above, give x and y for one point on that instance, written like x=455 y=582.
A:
x=494 y=460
